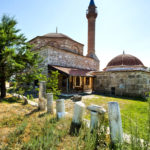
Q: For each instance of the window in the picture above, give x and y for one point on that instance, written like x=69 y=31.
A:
x=87 y=81
x=77 y=81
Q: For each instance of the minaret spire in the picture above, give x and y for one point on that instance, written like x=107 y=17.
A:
x=92 y=3
x=91 y=16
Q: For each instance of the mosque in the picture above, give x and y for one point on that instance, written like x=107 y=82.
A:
x=125 y=75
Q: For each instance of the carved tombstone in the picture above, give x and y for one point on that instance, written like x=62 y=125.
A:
x=42 y=95
x=96 y=113
x=79 y=109
x=50 y=103
x=60 y=108
x=115 y=123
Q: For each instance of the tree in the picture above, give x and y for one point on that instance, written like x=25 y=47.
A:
x=17 y=61
x=52 y=84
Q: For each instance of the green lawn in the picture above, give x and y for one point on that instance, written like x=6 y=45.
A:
x=134 y=113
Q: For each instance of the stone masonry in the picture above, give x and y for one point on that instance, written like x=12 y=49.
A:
x=57 y=57
x=126 y=83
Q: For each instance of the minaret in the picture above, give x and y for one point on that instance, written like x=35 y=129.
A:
x=91 y=16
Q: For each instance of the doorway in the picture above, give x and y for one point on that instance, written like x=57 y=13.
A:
x=113 y=90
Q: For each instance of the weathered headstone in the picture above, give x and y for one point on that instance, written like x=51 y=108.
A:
x=60 y=108
x=50 y=103
x=94 y=120
x=42 y=95
x=96 y=113
x=115 y=123
x=79 y=109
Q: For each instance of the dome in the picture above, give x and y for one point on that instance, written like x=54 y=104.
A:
x=125 y=62
x=125 y=59
x=57 y=35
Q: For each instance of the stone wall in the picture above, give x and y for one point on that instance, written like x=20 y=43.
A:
x=126 y=83
x=60 y=43
x=44 y=54
x=56 y=57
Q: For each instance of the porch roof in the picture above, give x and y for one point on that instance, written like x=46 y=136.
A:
x=74 y=71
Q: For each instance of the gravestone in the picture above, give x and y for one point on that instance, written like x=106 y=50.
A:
x=42 y=96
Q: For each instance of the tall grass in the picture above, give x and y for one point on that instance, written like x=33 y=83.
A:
x=52 y=134
x=15 y=137
x=49 y=137
x=137 y=139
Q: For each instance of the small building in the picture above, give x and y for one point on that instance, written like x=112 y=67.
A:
x=125 y=75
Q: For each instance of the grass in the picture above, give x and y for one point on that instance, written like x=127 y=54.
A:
x=36 y=130
x=134 y=111
x=54 y=134
x=10 y=100
x=12 y=121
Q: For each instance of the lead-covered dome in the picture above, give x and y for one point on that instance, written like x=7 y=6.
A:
x=125 y=59
x=125 y=62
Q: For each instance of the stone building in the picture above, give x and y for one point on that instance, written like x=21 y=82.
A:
x=125 y=75
x=64 y=54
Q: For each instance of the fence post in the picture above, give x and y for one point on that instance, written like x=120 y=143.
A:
x=50 y=103
x=79 y=109
x=60 y=108
x=115 y=123
x=97 y=113
x=42 y=95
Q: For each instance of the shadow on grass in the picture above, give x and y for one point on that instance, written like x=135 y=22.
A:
x=11 y=100
x=32 y=112
x=53 y=120
x=43 y=115
x=142 y=99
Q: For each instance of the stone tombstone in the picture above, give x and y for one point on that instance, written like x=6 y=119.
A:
x=50 y=103
x=94 y=120
x=79 y=109
x=42 y=95
x=97 y=113
x=60 y=108
x=115 y=123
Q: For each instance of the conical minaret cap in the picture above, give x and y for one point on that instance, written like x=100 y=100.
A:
x=92 y=3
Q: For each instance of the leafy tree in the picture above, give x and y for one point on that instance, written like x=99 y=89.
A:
x=52 y=84
x=17 y=62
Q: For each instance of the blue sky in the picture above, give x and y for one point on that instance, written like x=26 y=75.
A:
x=120 y=25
